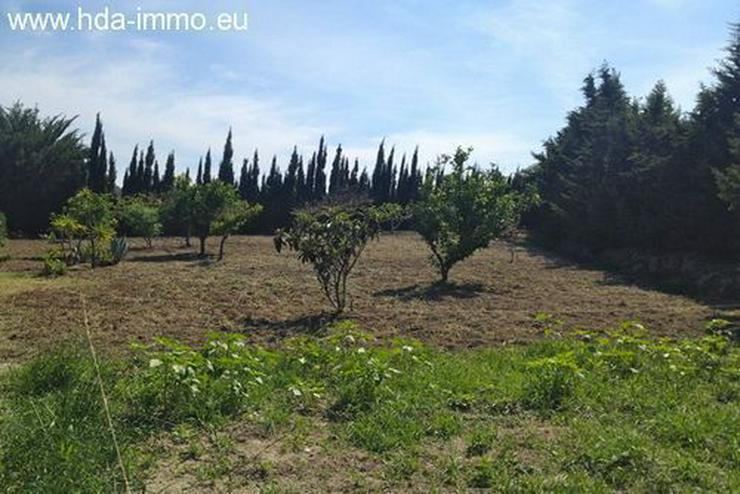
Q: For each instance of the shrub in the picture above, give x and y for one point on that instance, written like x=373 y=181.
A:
x=86 y=225
x=54 y=264
x=118 y=249
x=139 y=218
x=552 y=380
x=464 y=210
x=332 y=239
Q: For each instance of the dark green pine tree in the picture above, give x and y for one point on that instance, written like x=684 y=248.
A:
x=148 y=178
x=354 y=177
x=311 y=179
x=302 y=194
x=389 y=186
x=140 y=175
x=290 y=183
x=207 y=168
x=129 y=179
x=168 y=179
x=199 y=176
x=156 y=182
x=254 y=180
x=335 y=176
x=416 y=179
x=94 y=181
x=226 y=168
x=243 y=188
x=320 y=181
x=111 y=176
x=102 y=167
x=377 y=183
x=364 y=184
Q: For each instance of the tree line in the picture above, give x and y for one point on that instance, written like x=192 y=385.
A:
x=642 y=174
x=622 y=173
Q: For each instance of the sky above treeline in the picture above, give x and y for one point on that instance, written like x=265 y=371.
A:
x=496 y=75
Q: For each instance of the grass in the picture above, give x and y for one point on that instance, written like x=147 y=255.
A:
x=593 y=413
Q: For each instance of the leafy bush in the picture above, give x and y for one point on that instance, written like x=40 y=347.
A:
x=85 y=228
x=54 y=263
x=552 y=381
x=464 y=210
x=332 y=240
x=118 y=249
x=139 y=218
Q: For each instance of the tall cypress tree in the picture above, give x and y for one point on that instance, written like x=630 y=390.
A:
x=207 y=168
x=168 y=179
x=148 y=178
x=101 y=181
x=199 y=176
x=320 y=181
x=226 y=168
x=93 y=160
x=112 y=173
x=335 y=176
x=244 y=180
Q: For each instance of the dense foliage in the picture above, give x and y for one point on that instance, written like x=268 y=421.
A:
x=638 y=174
x=85 y=228
x=596 y=413
x=138 y=217
x=464 y=210
x=42 y=164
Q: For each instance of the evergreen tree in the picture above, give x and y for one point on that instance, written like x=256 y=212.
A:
x=336 y=172
x=168 y=179
x=320 y=181
x=148 y=176
x=243 y=188
x=156 y=185
x=226 y=168
x=94 y=181
x=112 y=173
x=199 y=176
x=207 y=168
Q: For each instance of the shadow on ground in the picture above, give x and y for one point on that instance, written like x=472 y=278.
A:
x=181 y=257
x=313 y=325
x=435 y=291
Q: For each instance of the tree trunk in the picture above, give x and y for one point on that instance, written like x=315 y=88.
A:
x=221 y=247
x=202 y=246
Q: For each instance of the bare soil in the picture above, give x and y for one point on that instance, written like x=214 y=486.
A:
x=168 y=291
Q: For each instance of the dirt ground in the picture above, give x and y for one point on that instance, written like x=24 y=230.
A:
x=168 y=291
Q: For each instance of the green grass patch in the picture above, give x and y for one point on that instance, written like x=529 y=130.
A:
x=590 y=413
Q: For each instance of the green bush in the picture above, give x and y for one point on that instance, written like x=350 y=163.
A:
x=54 y=263
x=331 y=240
x=139 y=218
x=85 y=228
x=464 y=210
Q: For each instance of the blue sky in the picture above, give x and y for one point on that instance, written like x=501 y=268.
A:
x=497 y=75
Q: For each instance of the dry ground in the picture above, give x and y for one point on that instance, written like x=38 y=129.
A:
x=168 y=291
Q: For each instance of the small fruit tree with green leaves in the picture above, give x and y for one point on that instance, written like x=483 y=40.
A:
x=217 y=209
x=86 y=226
x=139 y=218
x=177 y=209
x=233 y=217
x=332 y=240
x=464 y=210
